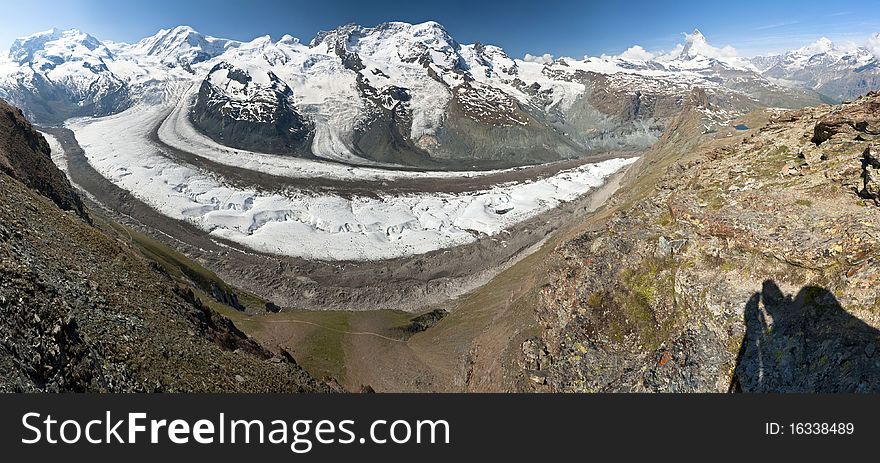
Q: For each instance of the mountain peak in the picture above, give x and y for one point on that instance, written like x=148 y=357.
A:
x=694 y=44
x=823 y=45
x=424 y=29
x=75 y=42
x=288 y=39
x=183 y=28
x=429 y=25
x=183 y=44
x=53 y=32
x=174 y=35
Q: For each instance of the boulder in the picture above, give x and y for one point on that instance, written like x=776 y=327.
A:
x=271 y=307
x=871 y=175
x=425 y=321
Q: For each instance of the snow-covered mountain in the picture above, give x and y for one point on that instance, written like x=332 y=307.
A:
x=59 y=74
x=250 y=108
x=838 y=72
x=179 y=46
x=395 y=93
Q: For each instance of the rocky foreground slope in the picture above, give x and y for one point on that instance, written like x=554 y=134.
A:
x=743 y=261
x=80 y=311
x=25 y=157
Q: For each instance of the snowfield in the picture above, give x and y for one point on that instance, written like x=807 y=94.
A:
x=309 y=225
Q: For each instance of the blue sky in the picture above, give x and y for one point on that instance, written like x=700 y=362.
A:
x=559 y=27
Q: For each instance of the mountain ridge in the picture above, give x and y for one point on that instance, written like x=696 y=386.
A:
x=405 y=94
x=838 y=72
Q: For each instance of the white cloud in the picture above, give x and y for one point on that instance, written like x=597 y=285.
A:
x=727 y=52
x=696 y=44
x=546 y=58
x=636 y=52
x=674 y=53
x=874 y=44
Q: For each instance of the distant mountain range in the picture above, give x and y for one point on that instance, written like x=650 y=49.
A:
x=411 y=94
x=837 y=72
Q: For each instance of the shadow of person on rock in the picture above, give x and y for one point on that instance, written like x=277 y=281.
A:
x=808 y=343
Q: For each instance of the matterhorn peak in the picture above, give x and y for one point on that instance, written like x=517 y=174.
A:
x=823 y=45
x=694 y=43
x=696 y=46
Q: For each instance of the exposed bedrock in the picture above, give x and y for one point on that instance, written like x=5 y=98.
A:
x=24 y=155
x=252 y=112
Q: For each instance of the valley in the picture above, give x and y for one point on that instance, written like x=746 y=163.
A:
x=398 y=211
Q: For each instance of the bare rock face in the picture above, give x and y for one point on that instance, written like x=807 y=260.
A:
x=384 y=135
x=425 y=321
x=698 y=98
x=25 y=156
x=805 y=343
x=862 y=122
x=718 y=271
x=488 y=128
x=871 y=174
x=251 y=110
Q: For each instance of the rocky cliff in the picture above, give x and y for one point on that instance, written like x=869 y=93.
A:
x=80 y=311
x=251 y=111
x=738 y=260
x=25 y=156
